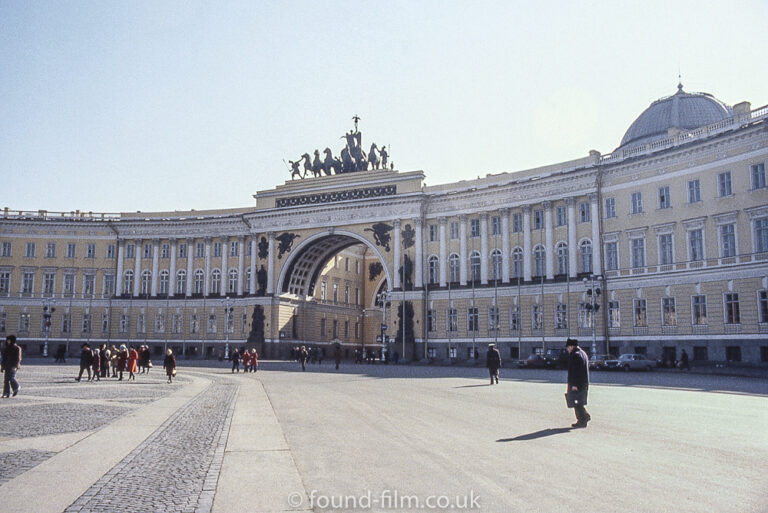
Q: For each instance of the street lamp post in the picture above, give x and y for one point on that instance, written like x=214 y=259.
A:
x=593 y=291
x=227 y=312
x=383 y=298
x=48 y=310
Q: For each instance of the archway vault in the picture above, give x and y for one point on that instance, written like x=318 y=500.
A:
x=301 y=270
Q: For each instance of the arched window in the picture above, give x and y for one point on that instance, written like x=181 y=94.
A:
x=232 y=282
x=474 y=266
x=562 y=258
x=181 y=282
x=163 y=283
x=247 y=283
x=585 y=253
x=496 y=264
x=433 y=268
x=146 y=280
x=215 y=281
x=539 y=258
x=517 y=263
x=128 y=282
x=454 y=262
x=199 y=281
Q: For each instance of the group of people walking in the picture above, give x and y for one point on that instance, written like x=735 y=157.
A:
x=104 y=362
x=249 y=359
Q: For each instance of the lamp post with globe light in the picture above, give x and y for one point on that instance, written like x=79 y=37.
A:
x=593 y=286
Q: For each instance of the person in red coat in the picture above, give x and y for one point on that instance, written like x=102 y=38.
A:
x=122 y=360
x=132 y=366
x=96 y=365
x=246 y=360
x=254 y=360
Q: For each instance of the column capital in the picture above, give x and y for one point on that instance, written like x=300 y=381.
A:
x=463 y=218
x=484 y=216
x=190 y=240
x=396 y=223
x=570 y=201
x=504 y=212
x=442 y=220
x=592 y=197
x=208 y=240
x=547 y=205
x=172 y=240
x=417 y=222
x=526 y=209
x=241 y=238
x=155 y=241
x=271 y=235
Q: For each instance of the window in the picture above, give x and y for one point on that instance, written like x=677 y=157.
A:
x=585 y=256
x=539 y=261
x=514 y=319
x=323 y=290
x=335 y=292
x=49 y=283
x=27 y=282
x=66 y=323
x=495 y=225
x=357 y=296
x=247 y=282
x=159 y=323
x=232 y=282
x=762 y=306
x=217 y=249
x=90 y=251
x=611 y=256
x=758 y=176
x=200 y=250
x=472 y=319
x=562 y=258
x=614 y=317
x=496 y=264
x=110 y=251
x=105 y=323
x=637 y=203
x=699 y=310
x=181 y=281
x=454 y=230
x=50 y=250
x=147 y=250
x=346 y=294
x=517 y=263
x=727 y=240
x=494 y=322
x=229 y=320
x=696 y=245
x=322 y=327
x=641 y=320
x=536 y=317
x=357 y=266
x=194 y=323
x=162 y=283
x=665 y=249
x=165 y=250
x=585 y=315
x=335 y=331
x=732 y=315
x=5 y=283
x=71 y=250
x=538 y=219
x=724 y=184
x=584 y=216
x=560 y=216
x=474 y=227
x=454 y=263
x=211 y=323
x=3 y=322
x=128 y=282
x=433 y=237
x=30 y=250
x=474 y=266
x=694 y=191
x=69 y=284
x=24 y=321
x=146 y=282
x=700 y=353
x=431 y=320
x=638 y=252
x=668 y=312
x=234 y=249
x=130 y=251
x=215 y=282
x=89 y=285
x=141 y=323
x=451 y=321
x=125 y=323
x=199 y=282
x=346 y=329
x=561 y=316
x=761 y=235
x=182 y=251
x=176 y=323
x=6 y=251
x=346 y=264
x=733 y=353
x=664 y=200
x=109 y=284
x=517 y=222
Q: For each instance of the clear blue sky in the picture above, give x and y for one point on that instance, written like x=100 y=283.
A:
x=158 y=105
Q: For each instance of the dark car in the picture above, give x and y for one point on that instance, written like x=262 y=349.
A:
x=556 y=358
x=597 y=362
x=533 y=361
x=630 y=362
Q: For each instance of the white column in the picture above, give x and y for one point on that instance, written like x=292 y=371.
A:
x=484 y=248
x=254 y=249
x=463 y=258
x=120 y=264
x=155 y=266
x=597 y=247
x=443 y=253
x=224 y=289
x=190 y=261
x=240 y=265
x=527 y=243
x=271 y=264
x=572 y=265
x=397 y=256
x=505 y=275
x=419 y=264
x=207 y=282
x=137 y=267
x=548 y=240
x=172 y=269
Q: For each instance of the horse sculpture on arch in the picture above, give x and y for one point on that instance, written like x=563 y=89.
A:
x=373 y=158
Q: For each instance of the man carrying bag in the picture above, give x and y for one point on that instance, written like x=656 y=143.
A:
x=578 y=382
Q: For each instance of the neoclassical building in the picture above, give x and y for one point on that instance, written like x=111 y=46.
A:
x=659 y=246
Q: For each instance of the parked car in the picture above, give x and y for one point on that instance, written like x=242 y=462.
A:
x=556 y=358
x=533 y=361
x=597 y=362
x=630 y=362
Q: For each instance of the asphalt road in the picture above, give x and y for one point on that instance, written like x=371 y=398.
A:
x=386 y=435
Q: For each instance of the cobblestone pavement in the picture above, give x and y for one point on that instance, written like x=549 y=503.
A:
x=15 y=463
x=50 y=418
x=176 y=468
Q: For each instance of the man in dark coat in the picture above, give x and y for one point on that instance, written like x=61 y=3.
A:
x=337 y=354
x=578 y=382
x=493 y=362
x=11 y=363
x=86 y=360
